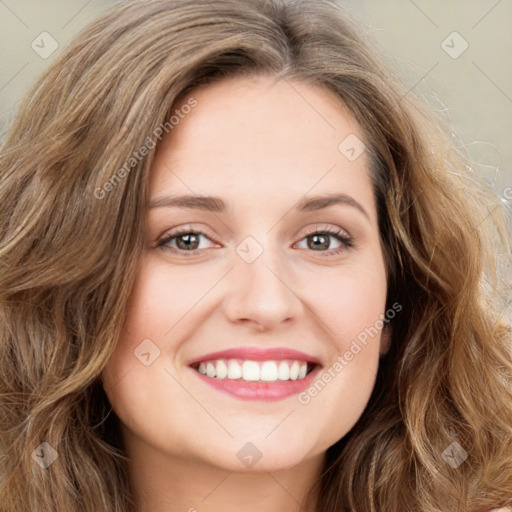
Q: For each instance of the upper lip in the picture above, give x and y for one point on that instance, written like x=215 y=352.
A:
x=257 y=354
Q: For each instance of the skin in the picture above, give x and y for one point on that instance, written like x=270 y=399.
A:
x=261 y=144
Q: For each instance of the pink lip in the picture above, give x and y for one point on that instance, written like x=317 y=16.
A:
x=266 y=391
x=257 y=354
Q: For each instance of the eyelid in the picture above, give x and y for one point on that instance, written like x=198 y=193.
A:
x=327 y=229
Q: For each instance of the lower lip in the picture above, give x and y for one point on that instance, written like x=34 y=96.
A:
x=260 y=390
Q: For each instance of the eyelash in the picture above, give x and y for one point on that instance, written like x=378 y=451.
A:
x=346 y=240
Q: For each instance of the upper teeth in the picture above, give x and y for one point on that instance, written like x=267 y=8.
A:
x=268 y=371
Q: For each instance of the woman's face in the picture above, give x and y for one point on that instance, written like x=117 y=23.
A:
x=248 y=293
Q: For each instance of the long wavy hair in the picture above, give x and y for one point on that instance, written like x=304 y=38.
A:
x=69 y=254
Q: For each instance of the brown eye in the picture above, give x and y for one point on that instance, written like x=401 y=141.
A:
x=182 y=241
x=320 y=241
x=188 y=241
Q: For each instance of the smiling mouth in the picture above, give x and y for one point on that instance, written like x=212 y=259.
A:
x=247 y=370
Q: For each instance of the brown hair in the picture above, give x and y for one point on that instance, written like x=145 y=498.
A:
x=69 y=258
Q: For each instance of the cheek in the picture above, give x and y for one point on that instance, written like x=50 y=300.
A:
x=139 y=346
x=157 y=306
x=338 y=401
x=352 y=306
x=165 y=298
x=350 y=301
x=340 y=394
x=156 y=315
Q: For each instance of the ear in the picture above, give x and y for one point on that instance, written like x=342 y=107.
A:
x=385 y=339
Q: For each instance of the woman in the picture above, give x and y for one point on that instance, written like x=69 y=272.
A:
x=243 y=268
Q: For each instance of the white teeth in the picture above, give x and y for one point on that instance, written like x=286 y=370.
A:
x=210 y=369
x=269 y=371
x=221 y=369
x=284 y=371
x=294 y=370
x=251 y=371
x=234 y=370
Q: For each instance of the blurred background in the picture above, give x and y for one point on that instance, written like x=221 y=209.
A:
x=457 y=54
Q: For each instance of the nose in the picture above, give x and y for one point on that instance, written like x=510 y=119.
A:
x=261 y=293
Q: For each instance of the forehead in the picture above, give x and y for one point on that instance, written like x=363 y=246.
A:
x=255 y=135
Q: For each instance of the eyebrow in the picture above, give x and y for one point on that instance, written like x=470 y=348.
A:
x=218 y=205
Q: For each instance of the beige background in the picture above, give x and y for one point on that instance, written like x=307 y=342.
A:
x=474 y=90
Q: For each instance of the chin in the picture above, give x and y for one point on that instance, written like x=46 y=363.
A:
x=260 y=456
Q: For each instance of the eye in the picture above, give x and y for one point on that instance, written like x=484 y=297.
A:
x=318 y=240
x=187 y=240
